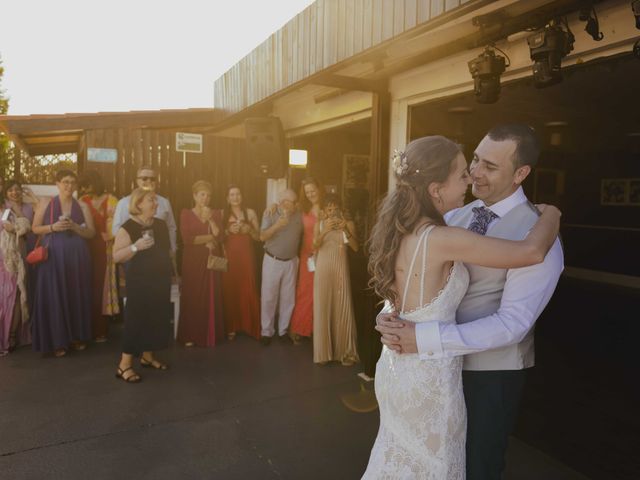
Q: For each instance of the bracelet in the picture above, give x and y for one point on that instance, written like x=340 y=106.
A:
x=51 y=227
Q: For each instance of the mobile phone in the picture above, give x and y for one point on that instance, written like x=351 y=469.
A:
x=5 y=215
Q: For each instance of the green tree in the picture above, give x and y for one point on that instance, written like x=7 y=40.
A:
x=4 y=140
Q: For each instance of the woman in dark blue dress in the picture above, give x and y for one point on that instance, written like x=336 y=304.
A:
x=62 y=301
x=142 y=244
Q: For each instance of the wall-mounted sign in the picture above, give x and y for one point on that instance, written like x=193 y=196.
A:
x=188 y=142
x=102 y=155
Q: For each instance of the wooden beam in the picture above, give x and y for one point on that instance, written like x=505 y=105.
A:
x=78 y=121
x=53 y=149
x=344 y=82
x=379 y=150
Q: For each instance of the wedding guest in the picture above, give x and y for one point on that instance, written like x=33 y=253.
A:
x=146 y=178
x=15 y=228
x=142 y=244
x=334 y=326
x=311 y=195
x=280 y=232
x=62 y=303
x=102 y=206
x=201 y=317
x=241 y=305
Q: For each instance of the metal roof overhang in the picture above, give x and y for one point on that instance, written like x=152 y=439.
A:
x=63 y=133
x=469 y=26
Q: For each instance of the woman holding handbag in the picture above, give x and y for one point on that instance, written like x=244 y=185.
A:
x=62 y=304
x=201 y=318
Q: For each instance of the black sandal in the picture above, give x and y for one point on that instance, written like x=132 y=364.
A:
x=155 y=364
x=133 y=378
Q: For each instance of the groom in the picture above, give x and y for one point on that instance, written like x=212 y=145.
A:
x=495 y=320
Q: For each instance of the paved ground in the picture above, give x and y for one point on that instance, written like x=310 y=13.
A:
x=235 y=412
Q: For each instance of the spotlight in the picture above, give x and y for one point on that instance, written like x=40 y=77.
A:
x=486 y=69
x=593 y=26
x=547 y=47
x=635 y=7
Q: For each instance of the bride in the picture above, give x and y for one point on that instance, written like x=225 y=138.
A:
x=416 y=263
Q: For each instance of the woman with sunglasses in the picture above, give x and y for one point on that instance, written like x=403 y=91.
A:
x=147 y=179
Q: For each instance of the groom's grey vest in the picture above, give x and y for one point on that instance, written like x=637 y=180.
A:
x=486 y=286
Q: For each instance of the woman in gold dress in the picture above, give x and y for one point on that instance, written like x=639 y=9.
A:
x=334 y=326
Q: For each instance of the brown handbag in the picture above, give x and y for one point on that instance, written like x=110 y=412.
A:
x=219 y=264
x=214 y=262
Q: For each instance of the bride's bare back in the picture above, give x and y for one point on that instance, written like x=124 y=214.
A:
x=437 y=271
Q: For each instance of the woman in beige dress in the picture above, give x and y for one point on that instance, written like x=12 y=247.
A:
x=334 y=326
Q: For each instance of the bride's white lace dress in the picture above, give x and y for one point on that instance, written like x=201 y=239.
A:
x=422 y=412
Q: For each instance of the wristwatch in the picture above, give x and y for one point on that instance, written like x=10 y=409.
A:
x=133 y=247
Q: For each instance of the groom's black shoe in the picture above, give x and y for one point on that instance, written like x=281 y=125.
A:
x=265 y=341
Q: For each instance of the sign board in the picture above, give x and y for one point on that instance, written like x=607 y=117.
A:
x=188 y=142
x=102 y=155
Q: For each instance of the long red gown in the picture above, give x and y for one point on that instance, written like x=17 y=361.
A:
x=302 y=317
x=201 y=319
x=101 y=258
x=241 y=304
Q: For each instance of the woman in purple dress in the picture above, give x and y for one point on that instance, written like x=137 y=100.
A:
x=62 y=305
x=15 y=234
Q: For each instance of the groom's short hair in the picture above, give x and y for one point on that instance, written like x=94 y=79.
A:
x=527 y=144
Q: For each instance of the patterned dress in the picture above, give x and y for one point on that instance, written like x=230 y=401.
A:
x=422 y=412
x=105 y=290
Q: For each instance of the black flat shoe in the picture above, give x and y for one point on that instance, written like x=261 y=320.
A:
x=132 y=378
x=155 y=364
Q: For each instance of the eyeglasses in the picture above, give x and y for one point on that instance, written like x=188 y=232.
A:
x=147 y=179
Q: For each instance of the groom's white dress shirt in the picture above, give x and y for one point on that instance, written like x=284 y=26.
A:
x=526 y=293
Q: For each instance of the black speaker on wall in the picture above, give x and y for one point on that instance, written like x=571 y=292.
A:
x=265 y=146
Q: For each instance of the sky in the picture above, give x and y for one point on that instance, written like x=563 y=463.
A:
x=71 y=56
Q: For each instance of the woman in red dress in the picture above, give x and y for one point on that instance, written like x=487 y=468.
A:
x=102 y=206
x=201 y=321
x=241 y=305
x=311 y=195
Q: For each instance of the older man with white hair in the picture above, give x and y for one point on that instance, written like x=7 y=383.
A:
x=281 y=231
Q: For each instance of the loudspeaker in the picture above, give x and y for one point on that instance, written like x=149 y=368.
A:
x=265 y=146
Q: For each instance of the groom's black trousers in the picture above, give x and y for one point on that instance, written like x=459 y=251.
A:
x=492 y=399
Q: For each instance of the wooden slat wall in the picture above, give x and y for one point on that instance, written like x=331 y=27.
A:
x=325 y=33
x=222 y=162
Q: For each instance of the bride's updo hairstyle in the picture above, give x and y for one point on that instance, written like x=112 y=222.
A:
x=425 y=161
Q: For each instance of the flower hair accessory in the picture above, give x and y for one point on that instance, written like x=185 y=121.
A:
x=400 y=164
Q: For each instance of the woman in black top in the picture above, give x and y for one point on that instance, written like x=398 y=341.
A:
x=143 y=243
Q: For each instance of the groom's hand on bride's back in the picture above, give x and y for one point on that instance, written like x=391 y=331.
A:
x=398 y=335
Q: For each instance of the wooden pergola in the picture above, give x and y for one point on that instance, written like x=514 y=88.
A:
x=140 y=138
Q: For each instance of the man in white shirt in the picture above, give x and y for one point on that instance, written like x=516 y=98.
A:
x=495 y=320
x=146 y=178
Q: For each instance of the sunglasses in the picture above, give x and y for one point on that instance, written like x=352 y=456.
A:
x=147 y=179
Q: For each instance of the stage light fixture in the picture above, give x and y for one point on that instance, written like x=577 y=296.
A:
x=547 y=47
x=588 y=14
x=635 y=7
x=486 y=69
